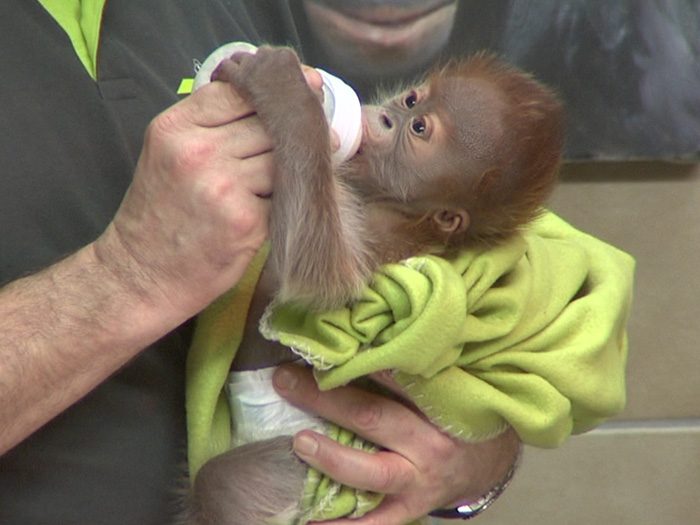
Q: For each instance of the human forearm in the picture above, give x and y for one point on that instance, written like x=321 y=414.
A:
x=64 y=330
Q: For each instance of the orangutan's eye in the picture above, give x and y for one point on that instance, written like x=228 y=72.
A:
x=418 y=126
x=411 y=99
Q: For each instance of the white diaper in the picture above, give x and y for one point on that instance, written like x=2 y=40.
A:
x=258 y=412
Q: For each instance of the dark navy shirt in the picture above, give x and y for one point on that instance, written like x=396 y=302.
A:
x=68 y=148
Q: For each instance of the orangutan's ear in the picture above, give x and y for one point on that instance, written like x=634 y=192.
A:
x=451 y=220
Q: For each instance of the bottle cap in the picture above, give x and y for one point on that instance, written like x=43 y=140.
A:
x=203 y=76
x=344 y=114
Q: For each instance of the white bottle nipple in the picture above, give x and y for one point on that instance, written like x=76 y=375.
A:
x=340 y=102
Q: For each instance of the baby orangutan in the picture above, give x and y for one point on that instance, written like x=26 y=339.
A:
x=464 y=159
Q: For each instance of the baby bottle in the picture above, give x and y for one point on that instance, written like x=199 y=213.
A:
x=340 y=102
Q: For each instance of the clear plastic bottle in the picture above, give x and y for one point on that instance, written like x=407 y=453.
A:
x=340 y=102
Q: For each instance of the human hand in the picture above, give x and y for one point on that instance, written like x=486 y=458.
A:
x=420 y=468
x=198 y=207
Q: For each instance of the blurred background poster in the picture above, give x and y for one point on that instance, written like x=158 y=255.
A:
x=628 y=70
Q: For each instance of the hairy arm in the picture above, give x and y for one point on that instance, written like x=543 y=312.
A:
x=190 y=223
x=64 y=331
x=318 y=241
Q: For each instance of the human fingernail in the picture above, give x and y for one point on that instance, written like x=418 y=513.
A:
x=284 y=379
x=305 y=445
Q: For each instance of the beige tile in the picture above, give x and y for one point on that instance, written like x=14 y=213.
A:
x=630 y=478
x=650 y=473
x=652 y=210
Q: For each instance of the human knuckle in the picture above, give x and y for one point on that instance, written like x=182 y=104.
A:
x=391 y=477
x=385 y=478
x=215 y=191
x=367 y=415
x=245 y=222
x=159 y=129
x=442 y=447
x=180 y=153
x=192 y=155
x=235 y=216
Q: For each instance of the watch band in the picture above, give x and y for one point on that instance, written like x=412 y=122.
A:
x=472 y=510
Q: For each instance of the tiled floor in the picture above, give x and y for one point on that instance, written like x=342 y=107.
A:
x=644 y=467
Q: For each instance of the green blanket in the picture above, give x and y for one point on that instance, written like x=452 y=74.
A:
x=530 y=334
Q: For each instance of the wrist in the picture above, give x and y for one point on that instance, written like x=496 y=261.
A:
x=499 y=460
x=131 y=296
x=471 y=509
